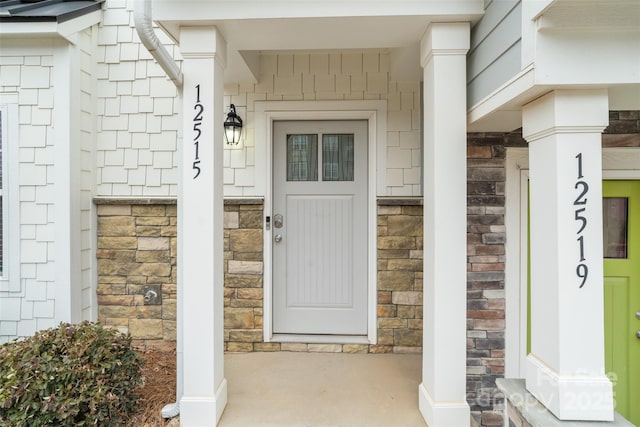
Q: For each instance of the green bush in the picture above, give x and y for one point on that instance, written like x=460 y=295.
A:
x=72 y=375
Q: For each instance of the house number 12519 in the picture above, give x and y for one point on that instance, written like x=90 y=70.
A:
x=580 y=203
x=197 y=121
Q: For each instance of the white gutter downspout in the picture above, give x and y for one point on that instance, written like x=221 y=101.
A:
x=144 y=27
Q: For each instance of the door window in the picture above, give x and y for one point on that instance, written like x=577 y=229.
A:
x=337 y=157
x=302 y=157
x=614 y=215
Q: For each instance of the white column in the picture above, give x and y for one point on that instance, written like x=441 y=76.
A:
x=66 y=77
x=200 y=227
x=565 y=369
x=442 y=394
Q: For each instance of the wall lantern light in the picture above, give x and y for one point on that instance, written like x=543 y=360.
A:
x=232 y=126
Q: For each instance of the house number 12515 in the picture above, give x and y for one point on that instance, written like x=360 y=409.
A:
x=580 y=203
x=197 y=121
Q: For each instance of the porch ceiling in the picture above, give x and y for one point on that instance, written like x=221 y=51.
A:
x=251 y=27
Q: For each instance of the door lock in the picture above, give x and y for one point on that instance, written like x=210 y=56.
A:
x=277 y=238
x=277 y=221
x=638 y=314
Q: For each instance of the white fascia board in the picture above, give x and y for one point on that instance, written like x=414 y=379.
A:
x=76 y=25
x=501 y=110
x=197 y=10
x=67 y=30
x=19 y=46
x=540 y=7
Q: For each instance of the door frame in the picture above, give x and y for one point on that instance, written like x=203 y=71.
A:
x=617 y=164
x=375 y=113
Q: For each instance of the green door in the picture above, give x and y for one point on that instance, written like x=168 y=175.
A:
x=621 y=222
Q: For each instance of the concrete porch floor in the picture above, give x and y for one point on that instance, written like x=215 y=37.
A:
x=322 y=389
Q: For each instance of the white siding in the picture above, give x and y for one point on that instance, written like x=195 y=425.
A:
x=138 y=121
x=495 y=55
x=51 y=84
x=330 y=76
x=137 y=109
x=29 y=303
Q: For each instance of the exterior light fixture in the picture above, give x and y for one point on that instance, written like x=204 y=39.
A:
x=232 y=126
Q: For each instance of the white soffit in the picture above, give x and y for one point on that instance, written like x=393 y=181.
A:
x=571 y=15
x=254 y=26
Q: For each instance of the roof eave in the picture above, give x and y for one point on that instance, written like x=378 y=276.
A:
x=66 y=29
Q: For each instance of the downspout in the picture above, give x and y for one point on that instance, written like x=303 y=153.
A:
x=144 y=27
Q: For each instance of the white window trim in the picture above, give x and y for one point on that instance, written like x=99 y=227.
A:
x=617 y=164
x=10 y=280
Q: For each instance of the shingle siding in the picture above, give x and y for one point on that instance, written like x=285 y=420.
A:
x=138 y=122
x=137 y=112
x=29 y=304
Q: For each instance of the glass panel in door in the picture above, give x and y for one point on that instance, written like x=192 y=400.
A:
x=337 y=157
x=302 y=157
x=614 y=220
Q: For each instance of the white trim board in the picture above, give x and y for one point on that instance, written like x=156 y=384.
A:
x=10 y=280
x=375 y=112
x=617 y=163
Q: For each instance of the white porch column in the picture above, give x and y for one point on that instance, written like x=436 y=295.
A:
x=565 y=369
x=443 y=390
x=200 y=227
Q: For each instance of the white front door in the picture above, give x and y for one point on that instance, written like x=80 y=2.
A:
x=320 y=227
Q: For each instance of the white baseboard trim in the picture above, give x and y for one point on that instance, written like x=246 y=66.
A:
x=443 y=414
x=196 y=411
x=578 y=397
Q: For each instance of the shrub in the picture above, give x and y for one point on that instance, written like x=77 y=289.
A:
x=72 y=375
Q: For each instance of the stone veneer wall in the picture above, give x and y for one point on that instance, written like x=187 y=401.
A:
x=243 y=278
x=486 y=237
x=137 y=255
x=137 y=270
x=399 y=283
x=399 y=277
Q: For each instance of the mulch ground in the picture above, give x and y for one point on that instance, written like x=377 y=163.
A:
x=159 y=372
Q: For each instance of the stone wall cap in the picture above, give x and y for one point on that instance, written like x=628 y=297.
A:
x=135 y=200
x=100 y=200
x=244 y=200
x=537 y=415
x=400 y=201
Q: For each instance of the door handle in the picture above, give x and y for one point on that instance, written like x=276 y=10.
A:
x=638 y=334
x=277 y=238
